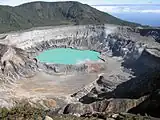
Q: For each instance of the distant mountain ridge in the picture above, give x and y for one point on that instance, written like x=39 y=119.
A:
x=37 y=14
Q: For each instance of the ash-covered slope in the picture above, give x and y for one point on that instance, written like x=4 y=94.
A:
x=15 y=62
x=130 y=67
x=53 y=13
x=155 y=33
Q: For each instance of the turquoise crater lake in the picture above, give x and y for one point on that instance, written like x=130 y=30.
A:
x=67 y=56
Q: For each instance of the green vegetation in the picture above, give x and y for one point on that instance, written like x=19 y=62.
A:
x=131 y=117
x=38 y=14
x=24 y=111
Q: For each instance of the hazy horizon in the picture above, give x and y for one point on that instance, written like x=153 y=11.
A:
x=90 y=2
x=146 y=12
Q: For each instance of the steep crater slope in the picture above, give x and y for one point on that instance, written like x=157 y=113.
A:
x=130 y=60
x=15 y=62
x=153 y=32
x=110 y=40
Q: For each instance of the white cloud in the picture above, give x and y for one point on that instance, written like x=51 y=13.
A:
x=150 y=11
x=110 y=9
x=90 y=2
x=127 y=9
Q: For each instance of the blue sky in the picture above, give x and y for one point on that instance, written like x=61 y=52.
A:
x=141 y=11
x=123 y=8
x=90 y=2
x=110 y=6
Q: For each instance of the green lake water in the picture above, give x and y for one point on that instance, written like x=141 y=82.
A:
x=67 y=56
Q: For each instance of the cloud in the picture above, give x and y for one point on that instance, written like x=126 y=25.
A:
x=129 y=9
x=110 y=6
x=150 y=11
x=90 y=2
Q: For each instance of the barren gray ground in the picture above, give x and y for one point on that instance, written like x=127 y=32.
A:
x=126 y=53
x=43 y=84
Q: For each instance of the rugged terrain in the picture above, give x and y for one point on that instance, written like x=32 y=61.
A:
x=37 y=14
x=122 y=84
x=126 y=80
